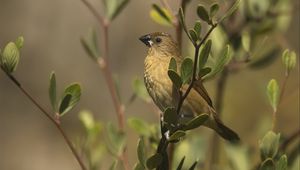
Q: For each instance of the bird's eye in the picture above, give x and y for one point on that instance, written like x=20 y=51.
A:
x=158 y=40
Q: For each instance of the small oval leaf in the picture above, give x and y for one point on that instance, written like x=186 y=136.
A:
x=65 y=103
x=202 y=13
x=173 y=64
x=194 y=36
x=10 y=57
x=75 y=91
x=140 y=126
x=282 y=163
x=186 y=70
x=52 y=91
x=141 y=152
x=193 y=166
x=154 y=161
x=180 y=165
x=204 y=54
x=273 y=93
x=204 y=71
x=197 y=28
x=116 y=138
x=269 y=145
x=176 y=135
x=196 y=122
x=214 y=8
x=220 y=63
x=175 y=78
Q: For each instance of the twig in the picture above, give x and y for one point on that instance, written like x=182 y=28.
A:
x=289 y=140
x=194 y=76
x=99 y=17
x=104 y=65
x=48 y=115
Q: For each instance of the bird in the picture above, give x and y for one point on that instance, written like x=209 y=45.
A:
x=161 y=48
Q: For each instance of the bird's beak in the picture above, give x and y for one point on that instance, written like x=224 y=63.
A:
x=146 y=39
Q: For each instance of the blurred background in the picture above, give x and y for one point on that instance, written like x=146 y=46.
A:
x=52 y=32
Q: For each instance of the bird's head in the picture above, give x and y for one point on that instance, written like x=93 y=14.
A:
x=160 y=42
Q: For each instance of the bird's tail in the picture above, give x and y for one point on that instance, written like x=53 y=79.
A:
x=225 y=132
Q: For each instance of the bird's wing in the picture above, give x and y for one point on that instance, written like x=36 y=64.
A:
x=198 y=86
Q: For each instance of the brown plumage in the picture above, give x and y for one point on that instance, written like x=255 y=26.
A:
x=161 y=49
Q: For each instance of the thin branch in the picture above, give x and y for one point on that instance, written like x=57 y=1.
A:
x=94 y=11
x=289 y=140
x=48 y=115
x=104 y=65
x=194 y=76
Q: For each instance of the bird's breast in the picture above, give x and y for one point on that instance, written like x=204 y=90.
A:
x=157 y=82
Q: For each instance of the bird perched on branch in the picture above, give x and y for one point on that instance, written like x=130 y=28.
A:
x=161 y=49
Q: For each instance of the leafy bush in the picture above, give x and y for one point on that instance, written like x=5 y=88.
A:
x=231 y=43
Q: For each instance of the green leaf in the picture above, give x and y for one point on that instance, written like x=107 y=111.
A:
x=273 y=93
x=140 y=90
x=186 y=70
x=10 y=57
x=170 y=116
x=289 y=60
x=202 y=13
x=140 y=126
x=141 y=152
x=65 y=103
x=179 y=167
x=193 y=166
x=220 y=63
x=175 y=78
x=282 y=163
x=173 y=64
x=138 y=166
x=19 y=42
x=194 y=35
x=204 y=71
x=75 y=91
x=52 y=91
x=204 y=54
x=196 y=122
x=154 y=161
x=197 y=28
x=90 y=45
x=267 y=164
x=116 y=138
x=114 y=7
x=269 y=145
x=231 y=10
x=87 y=119
x=176 y=135
x=161 y=15
x=246 y=40
x=113 y=166
x=214 y=8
